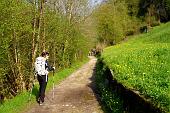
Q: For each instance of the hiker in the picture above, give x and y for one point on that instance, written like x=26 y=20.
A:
x=42 y=69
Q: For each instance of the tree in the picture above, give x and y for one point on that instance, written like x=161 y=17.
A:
x=15 y=41
x=26 y=33
x=112 y=21
x=157 y=9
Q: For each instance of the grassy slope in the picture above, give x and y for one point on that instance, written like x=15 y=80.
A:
x=143 y=64
x=20 y=102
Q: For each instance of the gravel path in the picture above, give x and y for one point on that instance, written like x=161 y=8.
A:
x=74 y=95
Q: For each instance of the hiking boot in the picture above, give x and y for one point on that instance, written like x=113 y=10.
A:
x=40 y=103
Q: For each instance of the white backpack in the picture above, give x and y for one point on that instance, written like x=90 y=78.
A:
x=40 y=65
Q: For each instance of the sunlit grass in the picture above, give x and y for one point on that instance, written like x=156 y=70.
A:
x=143 y=64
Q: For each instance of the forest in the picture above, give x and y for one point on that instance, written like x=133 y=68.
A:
x=68 y=29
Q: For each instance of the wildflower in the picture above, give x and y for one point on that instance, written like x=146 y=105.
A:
x=144 y=73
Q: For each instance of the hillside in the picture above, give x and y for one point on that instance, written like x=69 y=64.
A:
x=143 y=64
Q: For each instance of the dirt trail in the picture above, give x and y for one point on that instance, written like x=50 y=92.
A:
x=74 y=95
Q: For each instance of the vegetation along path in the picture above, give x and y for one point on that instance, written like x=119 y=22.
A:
x=74 y=95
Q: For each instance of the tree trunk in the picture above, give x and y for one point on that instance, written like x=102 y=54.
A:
x=39 y=26
x=33 y=42
x=43 y=19
x=17 y=65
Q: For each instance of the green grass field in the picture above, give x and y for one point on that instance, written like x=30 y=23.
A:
x=143 y=64
x=21 y=103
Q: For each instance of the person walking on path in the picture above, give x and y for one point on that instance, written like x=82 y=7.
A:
x=42 y=69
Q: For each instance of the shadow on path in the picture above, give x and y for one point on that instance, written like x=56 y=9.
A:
x=93 y=86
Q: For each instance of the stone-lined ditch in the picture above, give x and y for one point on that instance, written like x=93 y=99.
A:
x=116 y=97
